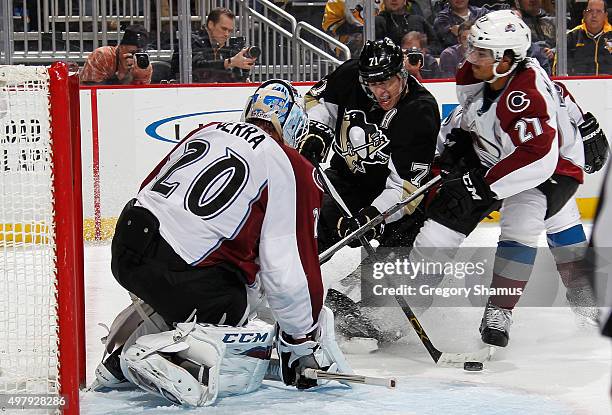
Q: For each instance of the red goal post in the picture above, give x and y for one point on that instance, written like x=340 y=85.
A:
x=42 y=332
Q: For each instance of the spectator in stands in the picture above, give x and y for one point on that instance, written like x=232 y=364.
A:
x=539 y=51
x=343 y=19
x=116 y=65
x=542 y=25
x=453 y=56
x=589 y=45
x=212 y=59
x=446 y=23
x=418 y=62
x=395 y=22
x=493 y=5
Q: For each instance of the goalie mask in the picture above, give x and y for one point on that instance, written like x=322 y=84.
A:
x=279 y=103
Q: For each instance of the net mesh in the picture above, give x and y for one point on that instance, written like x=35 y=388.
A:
x=28 y=295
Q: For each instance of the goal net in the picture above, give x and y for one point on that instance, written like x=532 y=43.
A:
x=40 y=270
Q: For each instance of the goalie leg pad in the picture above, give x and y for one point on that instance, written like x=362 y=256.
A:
x=235 y=359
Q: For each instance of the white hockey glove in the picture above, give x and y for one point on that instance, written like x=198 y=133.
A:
x=196 y=363
x=317 y=351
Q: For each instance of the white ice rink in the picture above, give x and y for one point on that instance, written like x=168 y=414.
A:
x=551 y=366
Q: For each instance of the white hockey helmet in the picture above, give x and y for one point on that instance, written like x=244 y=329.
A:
x=498 y=32
x=278 y=102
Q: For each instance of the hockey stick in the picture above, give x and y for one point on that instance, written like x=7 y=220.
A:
x=440 y=358
x=335 y=196
x=325 y=255
x=273 y=373
x=345 y=377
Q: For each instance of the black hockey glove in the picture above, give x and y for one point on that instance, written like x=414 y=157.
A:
x=315 y=145
x=596 y=147
x=458 y=153
x=295 y=356
x=462 y=194
x=348 y=225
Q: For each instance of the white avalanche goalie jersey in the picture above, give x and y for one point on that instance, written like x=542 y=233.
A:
x=524 y=134
x=230 y=193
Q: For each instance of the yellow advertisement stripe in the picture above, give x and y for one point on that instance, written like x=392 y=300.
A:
x=37 y=232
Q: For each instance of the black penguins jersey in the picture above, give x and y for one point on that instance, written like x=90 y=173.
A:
x=376 y=148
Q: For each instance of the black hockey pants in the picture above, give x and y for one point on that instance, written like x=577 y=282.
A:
x=144 y=263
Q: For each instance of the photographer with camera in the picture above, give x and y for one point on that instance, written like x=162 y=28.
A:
x=125 y=64
x=418 y=62
x=213 y=58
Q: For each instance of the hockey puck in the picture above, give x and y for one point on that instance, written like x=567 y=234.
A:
x=472 y=366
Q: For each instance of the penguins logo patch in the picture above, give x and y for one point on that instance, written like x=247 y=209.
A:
x=361 y=142
x=517 y=101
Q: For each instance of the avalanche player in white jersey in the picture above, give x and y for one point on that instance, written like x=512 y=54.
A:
x=529 y=160
x=565 y=234
x=227 y=217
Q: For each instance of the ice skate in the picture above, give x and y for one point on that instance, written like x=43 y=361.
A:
x=495 y=325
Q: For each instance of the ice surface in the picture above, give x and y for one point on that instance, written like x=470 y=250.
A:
x=551 y=365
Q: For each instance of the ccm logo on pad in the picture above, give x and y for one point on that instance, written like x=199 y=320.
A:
x=245 y=337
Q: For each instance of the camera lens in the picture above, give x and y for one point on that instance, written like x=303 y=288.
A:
x=253 y=52
x=142 y=60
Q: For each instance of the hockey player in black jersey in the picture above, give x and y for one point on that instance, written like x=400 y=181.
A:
x=381 y=125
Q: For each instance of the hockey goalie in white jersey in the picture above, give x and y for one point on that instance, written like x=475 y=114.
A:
x=225 y=222
x=518 y=150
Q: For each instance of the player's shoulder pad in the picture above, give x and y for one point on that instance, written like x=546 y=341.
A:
x=465 y=76
x=418 y=102
x=523 y=96
x=304 y=171
x=342 y=78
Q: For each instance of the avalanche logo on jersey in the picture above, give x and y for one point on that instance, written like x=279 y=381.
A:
x=517 y=101
x=361 y=142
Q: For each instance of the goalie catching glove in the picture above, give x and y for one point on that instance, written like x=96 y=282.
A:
x=348 y=225
x=596 y=147
x=315 y=145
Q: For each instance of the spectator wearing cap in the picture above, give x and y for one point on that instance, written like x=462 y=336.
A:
x=115 y=65
x=395 y=21
x=446 y=23
x=589 y=45
x=453 y=56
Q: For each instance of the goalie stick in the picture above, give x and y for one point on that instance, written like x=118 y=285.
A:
x=440 y=358
x=273 y=373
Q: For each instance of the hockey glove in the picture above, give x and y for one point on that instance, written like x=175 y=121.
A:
x=315 y=145
x=462 y=194
x=296 y=355
x=458 y=153
x=348 y=225
x=596 y=147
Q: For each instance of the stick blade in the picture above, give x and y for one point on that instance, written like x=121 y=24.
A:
x=458 y=359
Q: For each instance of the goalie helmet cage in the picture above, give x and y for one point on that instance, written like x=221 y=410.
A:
x=42 y=336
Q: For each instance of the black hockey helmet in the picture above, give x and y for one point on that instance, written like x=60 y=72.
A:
x=380 y=60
